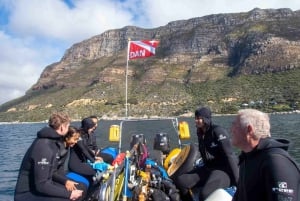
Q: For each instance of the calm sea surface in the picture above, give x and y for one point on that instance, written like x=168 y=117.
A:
x=16 y=138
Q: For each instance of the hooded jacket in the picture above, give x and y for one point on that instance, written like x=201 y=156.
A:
x=39 y=163
x=215 y=147
x=217 y=152
x=81 y=153
x=89 y=139
x=268 y=173
x=79 y=157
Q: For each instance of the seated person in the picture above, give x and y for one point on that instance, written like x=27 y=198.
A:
x=220 y=169
x=92 y=144
x=62 y=175
x=80 y=154
x=78 y=163
x=88 y=126
x=35 y=181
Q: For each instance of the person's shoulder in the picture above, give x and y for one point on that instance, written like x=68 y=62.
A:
x=219 y=130
x=43 y=141
x=43 y=145
x=276 y=151
x=278 y=156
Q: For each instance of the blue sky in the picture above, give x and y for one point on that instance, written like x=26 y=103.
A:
x=36 y=33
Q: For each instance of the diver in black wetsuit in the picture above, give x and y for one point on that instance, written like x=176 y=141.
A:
x=62 y=175
x=35 y=180
x=80 y=153
x=220 y=169
x=92 y=144
x=267 y=171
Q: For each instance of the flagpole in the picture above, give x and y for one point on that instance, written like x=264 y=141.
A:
x=126 y=80
x=139 y=49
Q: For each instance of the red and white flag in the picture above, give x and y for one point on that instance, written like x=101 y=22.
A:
x=142 y=49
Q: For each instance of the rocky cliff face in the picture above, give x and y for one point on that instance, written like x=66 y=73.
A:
x=255 y=42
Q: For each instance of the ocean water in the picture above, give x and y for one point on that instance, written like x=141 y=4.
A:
x=16 y=138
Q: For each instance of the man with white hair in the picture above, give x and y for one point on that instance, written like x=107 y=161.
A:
x=267 y=171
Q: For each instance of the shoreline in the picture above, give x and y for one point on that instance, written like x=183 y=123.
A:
x=187 y=115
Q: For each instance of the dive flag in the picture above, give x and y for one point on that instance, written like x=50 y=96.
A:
x=142 y=49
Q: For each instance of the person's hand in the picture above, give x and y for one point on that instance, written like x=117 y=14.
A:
x=76 y=194
x=97 y=152
x=71 y=185
x=98 y=159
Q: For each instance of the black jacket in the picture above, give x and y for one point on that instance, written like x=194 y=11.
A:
x=89 y=142
x=40 y=162
x=217 y=152
x=59 y=175
x=268 y=173
x=79 y=156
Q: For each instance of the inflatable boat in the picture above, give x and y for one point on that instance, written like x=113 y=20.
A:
x=143 y=164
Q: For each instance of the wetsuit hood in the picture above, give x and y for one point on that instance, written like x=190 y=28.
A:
x=205 y=113
x=267 y=143
x=86 y=124
x=264 y=144
x=48 y=132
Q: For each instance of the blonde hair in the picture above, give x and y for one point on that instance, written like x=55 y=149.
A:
x=57 y=119
x=260 y=121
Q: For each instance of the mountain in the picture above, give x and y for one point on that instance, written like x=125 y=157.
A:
x=225 y=61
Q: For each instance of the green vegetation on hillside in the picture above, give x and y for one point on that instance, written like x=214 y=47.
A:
x=273 y=92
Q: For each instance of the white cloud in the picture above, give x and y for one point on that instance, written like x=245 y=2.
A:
x=19 y=67
x=54 y=19
x=38 y=32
